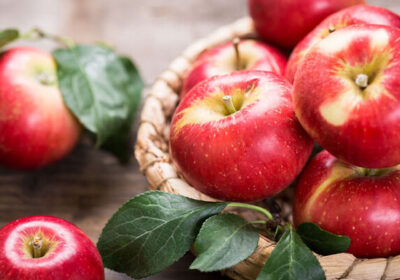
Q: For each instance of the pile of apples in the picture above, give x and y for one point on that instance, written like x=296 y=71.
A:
x=248 y=118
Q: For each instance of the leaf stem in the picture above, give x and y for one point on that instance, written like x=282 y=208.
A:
x=36 y=34
x=252 y=207
x=258 y=222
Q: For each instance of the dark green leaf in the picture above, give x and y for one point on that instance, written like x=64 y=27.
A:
x=7 y=36
x=321 y=241
x=103 y=91
x=224 y=240
x=291 y=260
x=151 y=231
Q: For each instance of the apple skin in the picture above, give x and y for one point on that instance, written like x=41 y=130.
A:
x=360 y=14
x=36 y=128
x=343 y=199
x=246 y=156
x=360 y=126
x=286 y=22
x=73 y=255
x=221 y=60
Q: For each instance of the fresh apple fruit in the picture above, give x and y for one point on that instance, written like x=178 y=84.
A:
x=235 y=137
x=236 y=55
x=360 y=14
x=36 y=128
x=286 y=22
x=362 y=203
x=47 y=248
x=347 y=95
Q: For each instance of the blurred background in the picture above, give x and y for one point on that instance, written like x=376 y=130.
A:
x=88 y=186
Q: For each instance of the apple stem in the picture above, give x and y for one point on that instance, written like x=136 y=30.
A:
x=362 y=81
x=37 y=33
x=252 y=207
x=37 y=246
x=331 y=29
x=46 y=79
x=236 y=42
x=229 y=104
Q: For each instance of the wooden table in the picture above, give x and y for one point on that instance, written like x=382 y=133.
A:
x=88 y=186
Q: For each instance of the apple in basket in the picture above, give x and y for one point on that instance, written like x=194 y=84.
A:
x=354 y=15
x=47 y=248
x=362 y=203
x=236 y=137
x=36 y=128
x=347 y=95
x=286 y=22
x=236 y=55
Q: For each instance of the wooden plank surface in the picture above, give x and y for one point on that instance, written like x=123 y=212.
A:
x=88 y=186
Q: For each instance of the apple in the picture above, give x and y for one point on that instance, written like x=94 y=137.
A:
x=36 y=128
x=360 y=14
x=347 y=95
x=235 y=137
x=362 y=203
x=47 y=248
x=232 y=56
x=286 y=22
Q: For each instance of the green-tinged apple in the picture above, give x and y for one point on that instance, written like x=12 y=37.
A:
x=347 y=95
x=47 y=248
x=36 y=128
x=236 y=137
x=362 y=203
x=360 y=14
x=286 y=22
x=233 y=56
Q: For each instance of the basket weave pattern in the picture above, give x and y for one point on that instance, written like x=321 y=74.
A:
x=151 y=151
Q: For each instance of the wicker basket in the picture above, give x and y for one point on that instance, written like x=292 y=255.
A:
x=151 y=151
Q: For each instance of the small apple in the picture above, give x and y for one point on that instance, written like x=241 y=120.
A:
x=363 y=204
x=47 y=248
x=236 y=137
x=36 y=128
x=360 y=14
x=286 y=22
x=233 y=56
x=347 y=95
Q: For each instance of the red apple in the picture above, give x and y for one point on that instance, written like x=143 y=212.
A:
x=36 y=128
x=47 y=248
x=363 y=204
x=236 y=137
x=233 y=56
x=360 y=14
x=286 y=22
x=347 y=95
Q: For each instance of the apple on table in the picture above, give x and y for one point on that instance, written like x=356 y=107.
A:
x=47 y=248
x=36 y=128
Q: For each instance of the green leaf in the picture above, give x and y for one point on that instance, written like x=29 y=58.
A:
x=291 y=260
x=151 y=231
x=321 y=241
x=224 y=240
x=7 y=36
x=103 y=91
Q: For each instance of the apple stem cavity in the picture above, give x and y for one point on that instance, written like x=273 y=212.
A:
x=37 y=246
x=362 y=81
x=252 y=207
x=229 y=104
x=236 y=42
x=331 y=29
x=46 y=79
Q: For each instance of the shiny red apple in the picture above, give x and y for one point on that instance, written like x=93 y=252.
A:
x=362 y=203
x=286 y=22
x=360 y=14
x=36 y=128
x=47 y=248
x=347 y=95
x=236 y=137
x=233 y=56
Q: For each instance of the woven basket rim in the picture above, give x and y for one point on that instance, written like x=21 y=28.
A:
x=151 y=151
